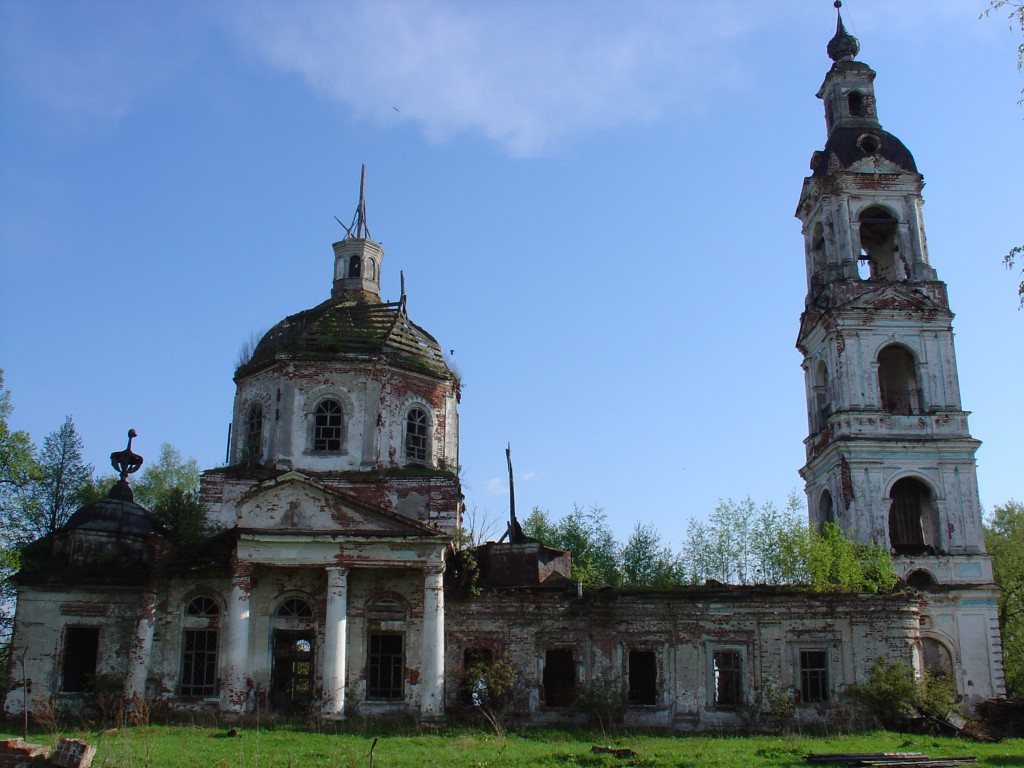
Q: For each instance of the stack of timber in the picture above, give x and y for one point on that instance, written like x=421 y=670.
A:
x=889 y=760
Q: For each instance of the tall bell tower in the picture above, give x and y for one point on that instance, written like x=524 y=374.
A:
x=890 y=458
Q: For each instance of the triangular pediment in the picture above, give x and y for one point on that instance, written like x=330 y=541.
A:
x=295 y=504
x=893 y=296
x=874 y=164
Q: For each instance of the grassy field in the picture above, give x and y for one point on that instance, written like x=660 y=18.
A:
x=285 y=747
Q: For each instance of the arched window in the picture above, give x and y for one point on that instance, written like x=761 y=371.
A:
x=199 y=637
x=327 y=426
x=294 y=608
x=354 y=266
x=371 y=269
x=911 y=518
x=921 y=579
x=826 y=508
x=203 y=607
x=936 y=657
x=897 y=381
x=416 y=440
x=252 y=449
x=856 y=103
x=878 y=240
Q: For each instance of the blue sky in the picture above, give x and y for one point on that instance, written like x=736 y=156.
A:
x=592 y=203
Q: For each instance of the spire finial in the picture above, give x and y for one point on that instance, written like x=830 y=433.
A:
x=358 y=228
x=125 y=462
x=843 y=46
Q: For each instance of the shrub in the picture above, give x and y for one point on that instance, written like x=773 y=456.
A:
x=604 y=702
x=493 y=687
x=893 y=692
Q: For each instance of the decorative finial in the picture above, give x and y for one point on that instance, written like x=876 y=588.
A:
x=125 y=462
x=358 y=227
x=843 y=46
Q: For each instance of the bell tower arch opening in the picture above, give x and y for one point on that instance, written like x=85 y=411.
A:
x=899 y=390
x=912 y=518
x=879 y=243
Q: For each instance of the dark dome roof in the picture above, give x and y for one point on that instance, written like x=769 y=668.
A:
x=113 y=515
x=846 y=146
x=346 y=327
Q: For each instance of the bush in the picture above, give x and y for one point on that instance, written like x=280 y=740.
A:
x=893 y=693
x=605 y=703
x=493 y=687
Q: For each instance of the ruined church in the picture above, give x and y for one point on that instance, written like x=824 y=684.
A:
x=331 y=590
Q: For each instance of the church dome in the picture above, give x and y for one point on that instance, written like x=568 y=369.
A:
x=847 y=145
x=343 y=328
x=113 y=516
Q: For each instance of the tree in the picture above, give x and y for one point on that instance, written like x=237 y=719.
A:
x=646 y=561
x=169 y=489
x=63 y=475
x=836 y=563
x=18 y=468
x=585 y=533
x=1004 y=538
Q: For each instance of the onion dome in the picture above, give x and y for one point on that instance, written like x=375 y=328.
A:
x=843 y=46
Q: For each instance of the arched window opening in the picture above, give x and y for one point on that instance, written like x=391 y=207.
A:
x=822 y=399
x=897 y=381
x=416 y=442
x=354 y=266
x=826 y=508
x=202 y=607
x=921 y=579
x=371 y=269
x=252 y=448
x=294 y=608
x=818 y=248
x=327 y=426
x=936 y=658
x=911 y=518
x=856 y=103
x=878 y=239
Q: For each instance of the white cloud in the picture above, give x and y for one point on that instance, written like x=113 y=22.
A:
x=523 y=74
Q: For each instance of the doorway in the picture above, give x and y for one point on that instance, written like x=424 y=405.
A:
x=291 y=682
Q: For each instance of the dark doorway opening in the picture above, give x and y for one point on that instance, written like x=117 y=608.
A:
x=559 y=678
x=643 y=678
x=292 y=675
x=81 y=646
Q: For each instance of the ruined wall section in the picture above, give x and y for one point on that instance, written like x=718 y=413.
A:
x=41 y=637
x=681 y=630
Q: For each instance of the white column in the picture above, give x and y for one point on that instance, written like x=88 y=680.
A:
x=235 y=694
x=335 y=642
x=432 y=664
x=134 y=689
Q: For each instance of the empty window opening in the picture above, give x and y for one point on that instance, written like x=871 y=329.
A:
x=936 y=657
x=865 y=270
x=474 y=685
x=199 y=662
x=826 y=508
x=728 y=679
x=416 y=436
x=911 y=518
x=354 y=266
x=371 y=269
x=252 y=450
x=818 y=248
x=897 y=381
x=878 y=238
x=921 y=579
x=813 y=676
x=385 y=666
x=81 y=647
x=559 y=678
x=643 y=678
x=294 y=607
x=869 y=143
x=327 y=426
x=856 y=103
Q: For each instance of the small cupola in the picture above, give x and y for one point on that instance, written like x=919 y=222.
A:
x=848 y=90
x=357 y=258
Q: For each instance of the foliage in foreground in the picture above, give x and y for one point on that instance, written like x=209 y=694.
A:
x=283 y=746
x=1004 y=539
x=893 y=692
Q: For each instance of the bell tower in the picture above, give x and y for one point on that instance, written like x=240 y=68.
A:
x=890 y=458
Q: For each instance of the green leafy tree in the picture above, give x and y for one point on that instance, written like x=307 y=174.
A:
x=159 y=479
x=646 y=561
x=1004 y=538
x=836 y=563
x=585 y=533
x=62 y=477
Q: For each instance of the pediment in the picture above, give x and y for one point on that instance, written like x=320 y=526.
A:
x=893 y=296
x=874 y=164
x=295 y=504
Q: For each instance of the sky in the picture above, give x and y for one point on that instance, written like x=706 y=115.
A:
x=592 y=204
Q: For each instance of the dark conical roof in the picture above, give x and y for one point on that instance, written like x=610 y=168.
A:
x=116 y=514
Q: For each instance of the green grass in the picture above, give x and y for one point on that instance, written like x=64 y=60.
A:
x=292 y=747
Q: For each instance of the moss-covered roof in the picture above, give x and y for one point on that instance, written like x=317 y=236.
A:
x=342 y=327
